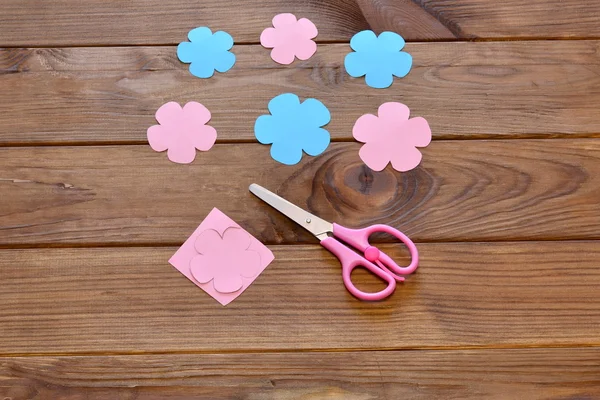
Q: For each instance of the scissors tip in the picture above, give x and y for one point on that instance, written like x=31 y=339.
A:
x=253 y=187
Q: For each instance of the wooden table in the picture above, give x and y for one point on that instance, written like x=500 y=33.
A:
x=505 y=206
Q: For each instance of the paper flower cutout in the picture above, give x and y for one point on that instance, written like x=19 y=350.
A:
x=391 y=137
x=293 y=127
x=182 y=131
x=379 y=58
x=221 y=254
x=224 y=260
x=207 y=52
x=290 y=38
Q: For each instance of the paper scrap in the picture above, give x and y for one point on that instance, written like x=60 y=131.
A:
x=207 y=52
x=391 y=137
x=290 y=38
x=181 y=131
x=378 y=58
x=293 y=127
x=221 y=258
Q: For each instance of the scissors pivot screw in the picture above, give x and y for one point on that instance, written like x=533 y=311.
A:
x=372 y=253
x=308 y=220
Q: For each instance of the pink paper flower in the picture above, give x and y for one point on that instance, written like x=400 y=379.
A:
x=182 y=131
x=391 y=137
x=224 y=260
x=290 y=38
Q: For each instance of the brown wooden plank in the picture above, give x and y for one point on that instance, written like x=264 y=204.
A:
x=98 y=22
x=406 y=17
x=474 y=374
x=462 y=191
x=126 y=22
x=517 y=19
x=464 y=294
x=465 y=90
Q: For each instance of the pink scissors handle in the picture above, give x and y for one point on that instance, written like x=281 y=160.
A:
x=359 y=239
x=351 y=260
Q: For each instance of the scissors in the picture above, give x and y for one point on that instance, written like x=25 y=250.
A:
x=345 y=242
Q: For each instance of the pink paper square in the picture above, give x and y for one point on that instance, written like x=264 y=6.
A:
x=214 y=227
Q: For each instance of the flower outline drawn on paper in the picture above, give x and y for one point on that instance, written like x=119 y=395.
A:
x=290 y=38
x=207 y=52
x=181 y=131
x=224 y=260
x=378 y=58
x=391 y=137
x=293 y=127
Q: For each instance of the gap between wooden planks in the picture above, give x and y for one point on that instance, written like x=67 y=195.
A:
x=464 y=294
x=464 y=90
x=462 y=191
x=134 y=22
x=490 y=374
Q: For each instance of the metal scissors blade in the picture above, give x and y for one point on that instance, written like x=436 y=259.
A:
x=315 y=225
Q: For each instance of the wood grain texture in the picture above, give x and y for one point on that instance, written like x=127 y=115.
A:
x=462 y=191
x=465 y=90
x=464 y=294
x=505 y=304
x=517 y=19
x=548 y=374
x=406 y=17
x=134 y=22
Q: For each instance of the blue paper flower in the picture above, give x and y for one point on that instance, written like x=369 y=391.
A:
x=293 y=127
x=379 y=58
x=207 y=52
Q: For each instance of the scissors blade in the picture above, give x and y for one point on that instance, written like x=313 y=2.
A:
x=315 y=225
